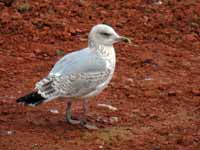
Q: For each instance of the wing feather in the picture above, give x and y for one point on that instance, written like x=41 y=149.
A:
x=75 y=75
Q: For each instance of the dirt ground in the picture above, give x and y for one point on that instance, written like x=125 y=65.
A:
x=155 y=87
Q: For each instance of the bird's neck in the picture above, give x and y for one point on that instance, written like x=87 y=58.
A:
x=102 y=50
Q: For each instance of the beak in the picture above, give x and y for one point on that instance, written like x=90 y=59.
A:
x=124 y=39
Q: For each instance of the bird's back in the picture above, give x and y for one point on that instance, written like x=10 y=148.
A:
x=81 y=61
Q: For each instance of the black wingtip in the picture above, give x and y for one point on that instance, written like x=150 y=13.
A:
x=32 y=99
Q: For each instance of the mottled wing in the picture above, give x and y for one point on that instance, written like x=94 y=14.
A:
x=79 y=84
x=75 y=75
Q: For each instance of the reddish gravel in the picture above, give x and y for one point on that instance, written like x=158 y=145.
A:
x=155 y=86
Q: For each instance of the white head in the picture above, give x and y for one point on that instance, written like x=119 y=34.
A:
x=105 y=35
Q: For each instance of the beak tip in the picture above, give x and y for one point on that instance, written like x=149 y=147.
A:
x=129 y=41
x=125 y=39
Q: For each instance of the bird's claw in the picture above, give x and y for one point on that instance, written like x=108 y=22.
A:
x=73 y=121
x=86 y=125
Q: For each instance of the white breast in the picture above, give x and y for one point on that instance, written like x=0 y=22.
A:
x=108 y=54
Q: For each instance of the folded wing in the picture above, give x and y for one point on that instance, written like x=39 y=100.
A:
x=75 y=75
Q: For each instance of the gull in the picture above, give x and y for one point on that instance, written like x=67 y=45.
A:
x=80 y=75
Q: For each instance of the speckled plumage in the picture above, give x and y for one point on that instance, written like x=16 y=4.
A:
x=79 y=74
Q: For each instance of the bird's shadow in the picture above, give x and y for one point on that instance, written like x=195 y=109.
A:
x=37 y=120
x=45 y=120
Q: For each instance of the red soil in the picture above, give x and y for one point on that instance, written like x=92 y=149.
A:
x=155 y=86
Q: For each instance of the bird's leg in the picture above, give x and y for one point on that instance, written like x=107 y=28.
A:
x=69 y=114
x=85 y=110
x=83 y=120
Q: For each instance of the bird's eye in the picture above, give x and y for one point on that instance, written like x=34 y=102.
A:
x=105 y=34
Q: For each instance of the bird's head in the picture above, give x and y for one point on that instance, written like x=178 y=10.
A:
x=106 y=35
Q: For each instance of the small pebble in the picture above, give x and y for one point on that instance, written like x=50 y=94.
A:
x=54 y=111
x=107 y=106
x=7 y=132
x=10 y=132
x=114 y=119
x=148 y=79
x=157 y=147
x=159 y=3
x=100 y=147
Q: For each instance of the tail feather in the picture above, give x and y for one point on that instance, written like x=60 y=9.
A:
x=31 y=99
